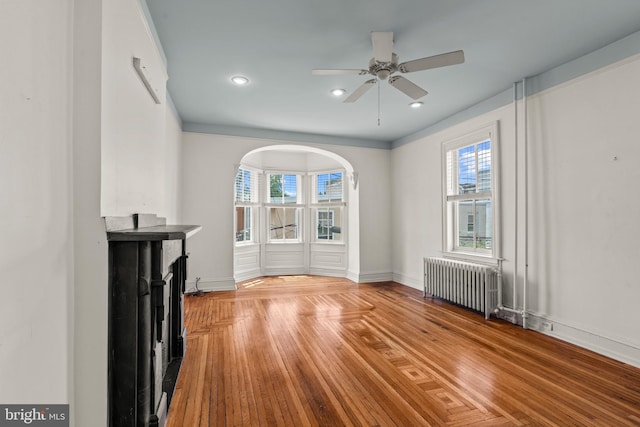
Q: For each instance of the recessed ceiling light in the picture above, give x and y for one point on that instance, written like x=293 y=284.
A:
x=416 y=104
x=239 y=80
x=338 y=92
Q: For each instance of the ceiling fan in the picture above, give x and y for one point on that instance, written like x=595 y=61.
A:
x=385 y=63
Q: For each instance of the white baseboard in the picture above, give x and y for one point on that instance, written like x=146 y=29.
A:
x=212 y=285
x=412 y=282
x=373 y=277
x=613 y=348
x=283 y=271
x=247 y=275
x=353 y=276
x=330 y=272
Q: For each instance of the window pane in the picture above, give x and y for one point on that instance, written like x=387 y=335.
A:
x=290 y=189
x=467 y=170
x=243 y=224
x=465 y=237
x=283 y=189
x=450 y=174
x=322 y=182
x=484 y=166
x=484 y=220
x=245 y=186
x=329 y=187
x=474 y=224
x=335 y=187
x=329 y=224
x=283 y=223
x=238 y=189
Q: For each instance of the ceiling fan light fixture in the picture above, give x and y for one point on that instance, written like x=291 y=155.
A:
x=239 y=80
x=383 y=74
x=416 y=104
x=338 y=92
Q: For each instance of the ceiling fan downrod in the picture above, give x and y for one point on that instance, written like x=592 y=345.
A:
x=378 y=102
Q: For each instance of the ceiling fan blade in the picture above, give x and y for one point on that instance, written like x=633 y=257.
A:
x=362 y=89
x=436 y=61
x=407 y=87
x=318 y=72
x=382 y=45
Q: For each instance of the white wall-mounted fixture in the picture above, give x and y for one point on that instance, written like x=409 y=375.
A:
x=354 y=179
x=143 y=72
x=239 y=80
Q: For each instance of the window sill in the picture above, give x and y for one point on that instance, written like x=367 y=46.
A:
x=486 y=259
x=245 y=244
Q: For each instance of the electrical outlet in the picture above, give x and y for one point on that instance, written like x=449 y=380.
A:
x=547 y=326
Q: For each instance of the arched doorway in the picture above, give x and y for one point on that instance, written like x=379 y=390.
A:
x=295 y=212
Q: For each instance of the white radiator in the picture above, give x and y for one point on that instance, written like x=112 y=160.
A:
x=470 y=285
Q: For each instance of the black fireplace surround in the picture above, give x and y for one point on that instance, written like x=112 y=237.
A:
x=147 y=338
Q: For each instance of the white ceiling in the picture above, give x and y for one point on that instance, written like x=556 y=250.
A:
x=276 y=43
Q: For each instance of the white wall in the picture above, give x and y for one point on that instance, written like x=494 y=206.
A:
x=173 y=167
x=582 y=207
x=134 y=147
x=209 y=170
x=35 y=201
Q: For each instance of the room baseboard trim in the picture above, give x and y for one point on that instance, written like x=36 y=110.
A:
x=284 y=271
x=353 y=276
x=410 y=281
x=212 y=285
x=247 y=275
x=382 y=276
x=330 y=272
x=615 y=349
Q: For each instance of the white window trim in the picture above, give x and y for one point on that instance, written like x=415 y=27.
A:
x=489 y=131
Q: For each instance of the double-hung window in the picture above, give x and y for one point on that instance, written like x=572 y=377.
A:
x=470 y=202
x=285 y=207
x=327 y=204
x=246 y=202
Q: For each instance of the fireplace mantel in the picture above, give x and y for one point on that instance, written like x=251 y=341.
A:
x=146 y=227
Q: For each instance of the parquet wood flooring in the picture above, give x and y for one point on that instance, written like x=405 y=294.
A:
x=318 y=351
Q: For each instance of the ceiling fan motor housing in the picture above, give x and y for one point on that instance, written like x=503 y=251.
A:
x=382 y=70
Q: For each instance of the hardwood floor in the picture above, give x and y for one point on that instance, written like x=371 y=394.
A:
x=306 y=351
